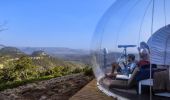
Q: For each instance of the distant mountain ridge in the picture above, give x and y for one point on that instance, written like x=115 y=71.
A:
x=39 y=58
x=38 y=53
x=78 y=55
x=53 y=50
x=2 y=46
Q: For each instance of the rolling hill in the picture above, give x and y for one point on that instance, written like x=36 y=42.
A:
x=39 y=58
x=11 y=52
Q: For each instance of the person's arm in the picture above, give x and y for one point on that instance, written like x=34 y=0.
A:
x=139 y=50
x=132 y=66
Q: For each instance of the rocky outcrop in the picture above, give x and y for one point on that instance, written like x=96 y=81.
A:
x=60 y=88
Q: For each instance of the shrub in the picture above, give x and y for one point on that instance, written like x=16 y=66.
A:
x=88 y=71
x=77 y=70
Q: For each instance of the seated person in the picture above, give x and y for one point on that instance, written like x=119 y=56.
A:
x=144 y=62
x=125 y=69
x=143 y=54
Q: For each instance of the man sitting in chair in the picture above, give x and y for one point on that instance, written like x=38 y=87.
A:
x=123 y=69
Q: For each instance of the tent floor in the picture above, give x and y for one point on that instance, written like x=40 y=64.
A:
x=131 y=94
x=91 y=92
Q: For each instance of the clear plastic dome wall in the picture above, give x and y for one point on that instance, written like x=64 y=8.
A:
x=125 y=23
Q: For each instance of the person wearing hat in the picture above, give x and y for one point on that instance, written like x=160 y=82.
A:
x=144 y=53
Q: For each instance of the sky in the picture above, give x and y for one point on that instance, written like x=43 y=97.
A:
x=50 y=23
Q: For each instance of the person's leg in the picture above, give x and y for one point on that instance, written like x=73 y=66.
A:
x=113 y=73
x=115 y=66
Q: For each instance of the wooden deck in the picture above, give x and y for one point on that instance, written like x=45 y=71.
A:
x=90 y=92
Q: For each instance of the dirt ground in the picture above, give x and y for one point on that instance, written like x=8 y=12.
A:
x=61 y=88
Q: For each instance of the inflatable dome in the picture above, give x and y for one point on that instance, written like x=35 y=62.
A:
x=127 y=27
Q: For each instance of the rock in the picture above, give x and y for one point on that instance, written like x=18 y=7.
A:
x=14 y=96
x=43 y=98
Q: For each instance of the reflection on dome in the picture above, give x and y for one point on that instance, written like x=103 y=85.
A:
x=130 y=44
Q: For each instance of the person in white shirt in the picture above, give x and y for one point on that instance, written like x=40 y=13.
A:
x=144 y=51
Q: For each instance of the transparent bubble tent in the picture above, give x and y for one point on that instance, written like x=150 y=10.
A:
x=119 y=36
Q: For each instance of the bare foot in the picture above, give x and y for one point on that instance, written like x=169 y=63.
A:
x=111 y=75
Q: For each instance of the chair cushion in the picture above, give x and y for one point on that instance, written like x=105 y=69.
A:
x=132 y=80
x=121 y=84
x=109 y=83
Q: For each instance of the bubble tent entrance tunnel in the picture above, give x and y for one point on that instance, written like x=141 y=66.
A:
x=126 y=22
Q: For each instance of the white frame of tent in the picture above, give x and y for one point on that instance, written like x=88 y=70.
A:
x=159 y=44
